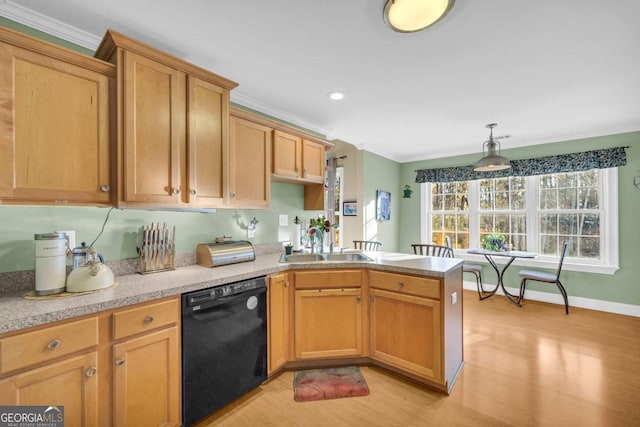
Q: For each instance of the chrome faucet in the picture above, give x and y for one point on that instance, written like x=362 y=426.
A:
x=319 y=234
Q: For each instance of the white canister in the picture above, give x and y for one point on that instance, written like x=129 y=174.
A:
x=51 y=249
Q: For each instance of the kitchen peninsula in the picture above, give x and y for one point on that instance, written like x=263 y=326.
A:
x=422 y=292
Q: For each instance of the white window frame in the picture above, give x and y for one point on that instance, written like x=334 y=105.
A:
x=609 y=236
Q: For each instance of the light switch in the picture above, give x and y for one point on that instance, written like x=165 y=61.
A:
x=454 y=298
x=284 y=220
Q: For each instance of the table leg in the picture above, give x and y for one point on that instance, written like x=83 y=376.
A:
x=500 y=273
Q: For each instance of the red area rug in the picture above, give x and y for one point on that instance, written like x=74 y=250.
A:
x=331 y=383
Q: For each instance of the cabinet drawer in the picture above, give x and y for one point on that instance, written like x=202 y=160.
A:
x=29 y=348
x=145 y=318
x=412 y=285
x=327 y=279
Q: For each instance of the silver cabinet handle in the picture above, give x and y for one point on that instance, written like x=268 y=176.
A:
x=148 y=319
x=358 y=298
x=400 y=285
x=232 y=195
x=91 y=371
x=120 y=361
x=192 y=192
x=105 y=188
x=54 y=344
x=175 y=191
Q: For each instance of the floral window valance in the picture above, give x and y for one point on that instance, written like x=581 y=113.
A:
x=595 y=159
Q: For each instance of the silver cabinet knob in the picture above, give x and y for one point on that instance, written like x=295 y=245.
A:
x=358 y=298
x=192 y=192
x=105 y=188
x=175 y=191
x=232 y=195
x=54 y=344
x=148 y=319
x=91 y=371
x=120 y=361
x=400 y=285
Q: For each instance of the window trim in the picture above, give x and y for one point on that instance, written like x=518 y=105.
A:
x=609 y=262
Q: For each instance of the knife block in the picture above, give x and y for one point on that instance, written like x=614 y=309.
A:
x=157 y=250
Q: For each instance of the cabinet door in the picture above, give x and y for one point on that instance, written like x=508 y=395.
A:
x=278 y=319
x=154 y=131
x=405 y=333
x=55 y=143
x=312 y=161
x=147 y=380
x=249 y=160
x=287 y=155
x=72 y=383
x=328 y=323
x=208 y=144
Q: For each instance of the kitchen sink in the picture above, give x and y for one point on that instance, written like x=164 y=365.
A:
x=348 y=256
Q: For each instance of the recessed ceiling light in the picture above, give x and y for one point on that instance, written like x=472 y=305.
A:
x=336 y=96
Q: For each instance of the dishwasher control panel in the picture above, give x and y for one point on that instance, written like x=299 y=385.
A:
x=198 y=297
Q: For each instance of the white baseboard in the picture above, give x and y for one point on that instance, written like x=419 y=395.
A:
x=592 y=304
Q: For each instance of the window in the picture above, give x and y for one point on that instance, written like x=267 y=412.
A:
x=536 y=213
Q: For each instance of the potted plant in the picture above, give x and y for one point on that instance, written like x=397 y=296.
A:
x=493 y=241
x=288 y=248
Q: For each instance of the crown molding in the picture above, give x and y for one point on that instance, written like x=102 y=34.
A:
x=46 y=24
x=271 y=110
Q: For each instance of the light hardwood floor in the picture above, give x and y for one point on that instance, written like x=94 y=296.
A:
x=530 y=366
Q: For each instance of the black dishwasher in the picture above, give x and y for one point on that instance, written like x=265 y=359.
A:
x=224 y=345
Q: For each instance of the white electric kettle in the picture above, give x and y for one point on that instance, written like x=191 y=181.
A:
x=90 y=276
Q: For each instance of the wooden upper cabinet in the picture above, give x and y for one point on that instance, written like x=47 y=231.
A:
x=173 y=127
x=154 y=130
x=297 y=159
x=55 y=144
x=249 y=160
x=312 y=161
x=208 y=143
x=287 y=155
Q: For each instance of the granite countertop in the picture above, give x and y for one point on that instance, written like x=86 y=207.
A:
x=19 y=313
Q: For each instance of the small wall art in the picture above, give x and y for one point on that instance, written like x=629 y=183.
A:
x=383 y=205
x=350 y=208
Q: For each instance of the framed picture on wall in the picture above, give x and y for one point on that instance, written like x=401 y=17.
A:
x=383 y=205
x=350 y=208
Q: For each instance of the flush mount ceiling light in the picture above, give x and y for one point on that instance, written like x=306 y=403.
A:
x=336 y=96
x=408 y=16
x=492 y=161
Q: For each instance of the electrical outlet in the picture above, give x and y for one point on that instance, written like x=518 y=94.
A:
x=454 y=298
x=284 y=220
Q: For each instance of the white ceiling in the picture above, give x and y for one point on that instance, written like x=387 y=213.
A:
x=544 y=70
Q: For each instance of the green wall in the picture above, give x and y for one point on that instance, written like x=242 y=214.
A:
x=624 y=286
x=44 y=36
x=121 y=235
x=380 y=173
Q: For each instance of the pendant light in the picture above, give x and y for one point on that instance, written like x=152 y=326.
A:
x=408 y=16
x=492 y=161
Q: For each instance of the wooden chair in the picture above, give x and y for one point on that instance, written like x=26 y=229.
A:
x=366 y=245
x=541 y=276
x=475 y=269
x=432 y=250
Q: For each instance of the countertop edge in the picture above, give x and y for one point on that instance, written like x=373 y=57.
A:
x=17 y=313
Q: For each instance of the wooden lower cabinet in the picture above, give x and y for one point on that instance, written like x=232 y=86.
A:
x=278 y=321
x=405 y=333
x=119 y=367
x=328 y=323
x=71 y=382
x=147 y=380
